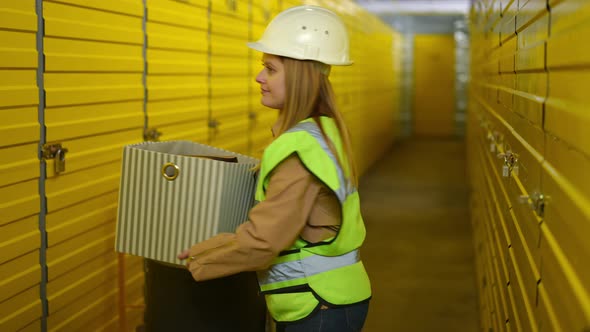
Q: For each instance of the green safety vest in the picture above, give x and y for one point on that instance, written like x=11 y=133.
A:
x=307 y=275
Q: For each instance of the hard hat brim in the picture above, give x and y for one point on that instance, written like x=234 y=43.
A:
x=262 y=48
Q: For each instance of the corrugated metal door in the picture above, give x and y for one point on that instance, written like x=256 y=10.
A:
x=529 y=92
x=177 y=70
x=20 y=273
x=94 y=106
x=229 y=122
x=565 y=277
x=434 y=89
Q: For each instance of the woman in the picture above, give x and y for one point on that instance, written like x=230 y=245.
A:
x=303 y=235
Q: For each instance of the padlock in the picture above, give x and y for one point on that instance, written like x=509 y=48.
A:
x=506 y=171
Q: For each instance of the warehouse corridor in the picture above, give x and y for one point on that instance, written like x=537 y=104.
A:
x=418 y=249
x=469 y=127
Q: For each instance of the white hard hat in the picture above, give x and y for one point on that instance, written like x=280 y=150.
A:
x=306 y=33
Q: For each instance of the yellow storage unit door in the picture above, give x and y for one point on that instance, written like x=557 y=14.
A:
x=434 y=89
x=177 y=70
x=94 y=106
x=20 y=272
x=230 y=82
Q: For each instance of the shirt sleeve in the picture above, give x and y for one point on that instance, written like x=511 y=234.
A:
x=274 y=225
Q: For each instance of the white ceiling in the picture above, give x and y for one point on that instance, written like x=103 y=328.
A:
x=415 y=7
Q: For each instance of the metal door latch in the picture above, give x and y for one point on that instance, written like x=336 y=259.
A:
x=536 y=201
x=232 y=5
x=55 y=151
x=151 y=135
x=510 y=163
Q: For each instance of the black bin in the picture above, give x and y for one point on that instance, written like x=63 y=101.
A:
x=176 y=302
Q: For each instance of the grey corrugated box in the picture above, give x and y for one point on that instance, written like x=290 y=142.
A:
x=169 y=199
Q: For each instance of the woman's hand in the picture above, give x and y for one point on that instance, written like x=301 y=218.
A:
x=186 y=255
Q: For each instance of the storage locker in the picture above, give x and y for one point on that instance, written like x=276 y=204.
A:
x=20 y=240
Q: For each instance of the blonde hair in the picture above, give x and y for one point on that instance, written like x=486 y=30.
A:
x=309 y=94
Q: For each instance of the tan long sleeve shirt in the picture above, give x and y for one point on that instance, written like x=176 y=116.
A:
x=297 y=204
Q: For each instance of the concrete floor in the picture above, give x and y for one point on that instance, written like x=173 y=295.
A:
x=418 y=251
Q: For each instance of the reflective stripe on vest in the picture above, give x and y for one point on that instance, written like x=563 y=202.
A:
x=312 y=128
x=306 y=267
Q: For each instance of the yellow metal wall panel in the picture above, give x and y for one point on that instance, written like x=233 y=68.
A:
x=568 y=44
x=257 y=31
x=515 y=320
x=530 y=96
x=224 y=86
x=231 y=107
x=501 y=237
x=178 y=13
x=18 y=238
x=79 y=218
x=80 y=281
x=81 y=88
x=234 y=8
x=192 y=131
x=178 y=67
x=228 y=66
x=507 y=55
x=508 y=21
x=18 y=88
x=567 y=209
x=531 y=41
x=261 y=15
x=84 y=55
x=229 y=26
x=32 y=327
x=506 y=90
x=528 y=11
x=172 y=37
x=83 y=120
x=290 y=3
x=530 y=58
x=566 y=113
x=234 y=47
x=66 y=256
x=97 y=303
x=434 y=83
x=522 y=304
x=547 y=317
x=522 y=258
x=65 y=190
x=19 y=274
x=566 y=292
x=231 y=133
x=166 y=112
x=18 y=15
x=164 y=61
x=129 y=7
x=19 y=125
x=17 y=49
x=19 y=163
x=19 y=200
x=62 y=20
x=173 y=87
x=536 y=30
x=20 y=310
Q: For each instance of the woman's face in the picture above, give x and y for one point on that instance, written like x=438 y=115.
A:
x=272 y=82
